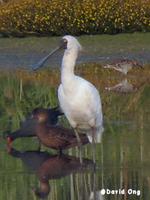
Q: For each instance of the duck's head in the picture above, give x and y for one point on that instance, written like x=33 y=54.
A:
x=40 y=114
x=43 y=191
x=69 y=42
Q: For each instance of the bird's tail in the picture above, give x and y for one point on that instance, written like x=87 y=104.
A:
x=84 y=139
x=74 y=142
x=57 y=110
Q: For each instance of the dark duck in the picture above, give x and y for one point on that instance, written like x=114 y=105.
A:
x=27 y=128
x=56 y=137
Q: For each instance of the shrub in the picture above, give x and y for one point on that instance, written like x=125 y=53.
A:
x=59 y=17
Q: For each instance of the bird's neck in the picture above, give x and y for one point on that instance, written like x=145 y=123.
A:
x=67 y=68
x=41 y=129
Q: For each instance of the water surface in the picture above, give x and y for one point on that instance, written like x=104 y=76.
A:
x=22 y=52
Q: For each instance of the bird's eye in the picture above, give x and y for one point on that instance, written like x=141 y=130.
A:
x=63 y=43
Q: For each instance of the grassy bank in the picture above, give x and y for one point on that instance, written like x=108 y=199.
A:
x=22 y=91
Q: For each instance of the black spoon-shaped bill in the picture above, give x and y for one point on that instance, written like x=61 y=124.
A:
x=38 y=65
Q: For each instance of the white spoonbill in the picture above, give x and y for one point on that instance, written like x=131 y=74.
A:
x=79 y=99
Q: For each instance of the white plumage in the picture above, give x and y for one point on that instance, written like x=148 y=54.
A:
x=78 y=98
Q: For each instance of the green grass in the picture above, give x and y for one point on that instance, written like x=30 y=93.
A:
x=108 y=44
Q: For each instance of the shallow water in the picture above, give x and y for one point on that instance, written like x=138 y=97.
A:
x=123 y=158
x=23 y=52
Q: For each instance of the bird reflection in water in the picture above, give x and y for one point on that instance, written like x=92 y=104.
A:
x=123 y=87
x=48 y=167
x=97 y=196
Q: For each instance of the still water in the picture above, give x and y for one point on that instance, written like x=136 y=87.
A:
x=123 y=158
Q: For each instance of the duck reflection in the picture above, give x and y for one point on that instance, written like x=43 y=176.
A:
x=97 y=195
x=123 y=87
x=48 y=167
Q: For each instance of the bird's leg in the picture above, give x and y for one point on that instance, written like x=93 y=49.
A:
x=39 y=147
x=60 y=152
x=93 y=145
x=79 y=145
